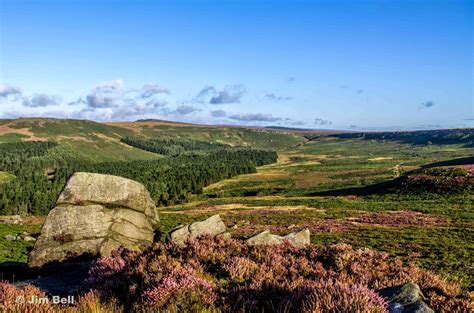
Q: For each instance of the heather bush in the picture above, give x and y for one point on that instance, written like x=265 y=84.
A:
x=14 y=299
x=217 y=274
x=442 y=180
x=29 y=299
x=334 y=296
x=179 y=291
x=228 y=275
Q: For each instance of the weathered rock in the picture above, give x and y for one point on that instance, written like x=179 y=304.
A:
x=94 y=215
x=112 y=191
x=10 y=237
x=265 y=238
x=212 y=226
x=297 y=239
x=29 y=238
x=406 y=298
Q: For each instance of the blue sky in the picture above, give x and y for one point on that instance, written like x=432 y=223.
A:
x=313 y=64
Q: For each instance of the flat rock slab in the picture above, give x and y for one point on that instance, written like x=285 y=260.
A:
x=94 y=215
x=212 y=226
x=298 y=239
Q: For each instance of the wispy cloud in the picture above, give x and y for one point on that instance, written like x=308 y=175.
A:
x=257 y=117
x=273 y=97
x=41 y=100
x=218 y=113
x=427 y=104
x=322 y=122
x=230 y=94
x=106 y=95
x=185 y=110
x=290 y=121
x=151 y=89
x=10 y=91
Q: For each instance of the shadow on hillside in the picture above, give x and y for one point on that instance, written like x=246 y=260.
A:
x=459 y=161
x=390 y=185
x=379 y=188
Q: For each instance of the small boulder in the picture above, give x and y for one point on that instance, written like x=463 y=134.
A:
x=212 y=226
x=94 y=215
x=10 y=237
x=298 y=239
x=29 y=238
x=265 y=238
x=406 y=298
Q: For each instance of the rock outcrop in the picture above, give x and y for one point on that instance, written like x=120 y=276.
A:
x=212 y=226
x=95 y=214
x=406 y=298
x=298 y=239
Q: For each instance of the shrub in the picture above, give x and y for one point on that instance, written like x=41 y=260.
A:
x=226 y=274
x=334 y=296
x=442 y=180
x=217 y=274
x=26 y=299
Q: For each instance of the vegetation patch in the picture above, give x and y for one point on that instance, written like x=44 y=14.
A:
x=215 y=275
x=401 y=219
x=441 y=180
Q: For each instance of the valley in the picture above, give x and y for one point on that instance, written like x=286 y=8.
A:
x=344 y=189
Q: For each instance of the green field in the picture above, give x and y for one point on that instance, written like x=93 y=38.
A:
x=319 y=183
x=6 y=177
x=433 y=231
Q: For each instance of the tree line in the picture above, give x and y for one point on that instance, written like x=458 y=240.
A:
x=170 y=180
x=172 y=146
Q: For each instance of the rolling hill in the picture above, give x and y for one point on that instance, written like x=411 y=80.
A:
x=101 y=142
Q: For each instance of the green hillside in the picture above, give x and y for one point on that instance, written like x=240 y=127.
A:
x=79 y=138
x=235 y=136
x=101 y=142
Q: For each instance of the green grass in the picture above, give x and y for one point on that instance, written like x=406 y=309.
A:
x=445 y=250
x=15 y=251
x=235 y=136
x=329 y=164
x=12 y=137
x=305 y=170
x=6 y=177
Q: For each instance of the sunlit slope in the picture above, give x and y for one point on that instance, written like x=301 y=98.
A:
x=235 y=136
x=78 y=138
x=101 y=142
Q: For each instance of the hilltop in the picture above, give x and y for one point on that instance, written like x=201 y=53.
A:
x=101 y=141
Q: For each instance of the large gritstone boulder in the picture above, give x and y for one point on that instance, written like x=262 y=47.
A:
x=95 y=214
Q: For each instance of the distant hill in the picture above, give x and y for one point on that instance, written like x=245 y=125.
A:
x=420 y=137
x=305 y=130
x=231 y=135
x=101 y=141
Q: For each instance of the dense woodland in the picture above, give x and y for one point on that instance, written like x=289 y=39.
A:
x=40 y=177
x=173 y=146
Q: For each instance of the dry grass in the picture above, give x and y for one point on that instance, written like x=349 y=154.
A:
x=5 y=129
